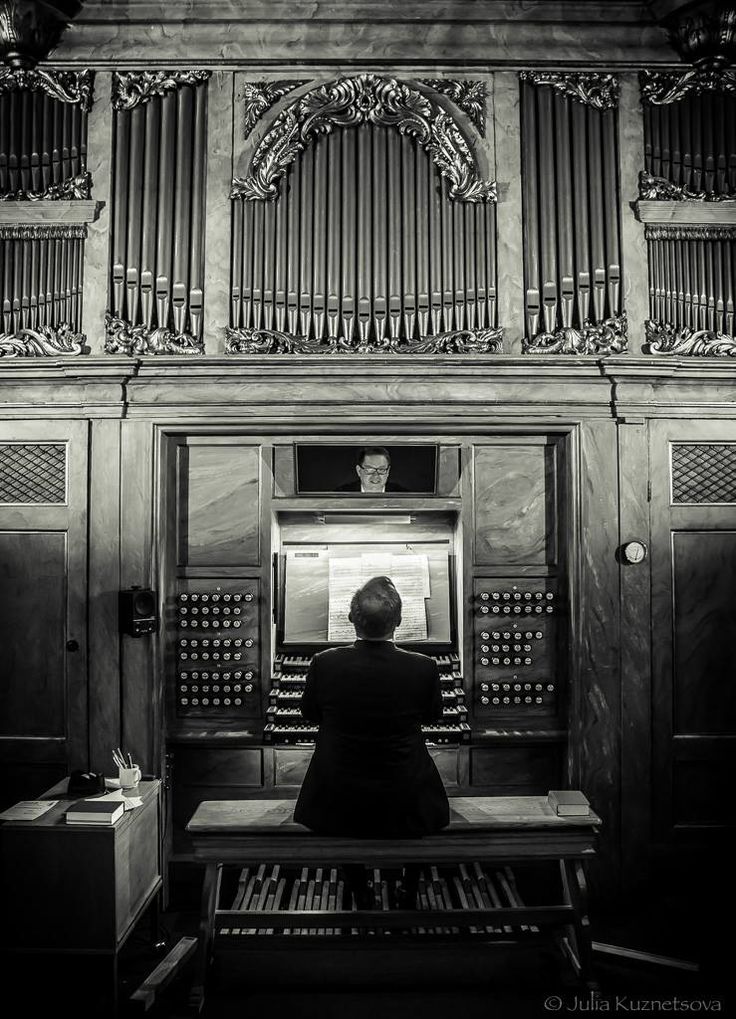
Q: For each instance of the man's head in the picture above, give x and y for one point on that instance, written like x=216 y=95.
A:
x=375 y=609
x=373 y=466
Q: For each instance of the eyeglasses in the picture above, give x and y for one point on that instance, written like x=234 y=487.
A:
x=374 y=470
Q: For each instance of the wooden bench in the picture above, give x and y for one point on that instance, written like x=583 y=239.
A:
x=503 y=830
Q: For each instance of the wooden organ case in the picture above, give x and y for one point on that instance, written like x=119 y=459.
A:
x=248 y=569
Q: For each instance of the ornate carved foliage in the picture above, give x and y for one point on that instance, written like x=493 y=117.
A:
x=44 y=341
x=352 y=101
x=123 y=338
x=260 y=96
x=662 y=87
x=266 y=341
x=132 y=88
x=660 y=189
x=42 y=231
x=467 y=94
x=705 y=37
x=689 y=233
x=30 y=29
x=598 y=90
x=64 y=86
x=75 y=187
x=665 y=338
x=602 y=338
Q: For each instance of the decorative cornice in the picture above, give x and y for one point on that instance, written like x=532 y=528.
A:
x=468 y=94
x=658 y=88
x=689 y=233
x=131 y=88
x=705 y=37
x=74 y=187
x=267 y=341
x=660 y=189
x=42 y=231
x=607 y=337
x=64 y=86
x=591 y=88
x=43 y=342
x=365 y=98
x=122 y=337
x=30 y=30
x=665 y=338
x=260 y=96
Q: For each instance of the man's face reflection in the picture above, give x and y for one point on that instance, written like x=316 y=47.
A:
x=373 y=472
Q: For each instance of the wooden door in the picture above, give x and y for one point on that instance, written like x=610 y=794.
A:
x=43 y=557
x=693 y=563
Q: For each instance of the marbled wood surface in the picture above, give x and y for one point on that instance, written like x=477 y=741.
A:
x=514 y=504
x=220 y=114
x=104 y=584
x=635 y=266
x=219 y=509
x=509 y=218
x=377 y=32
x=33 y=565
x=636 y=680
x=704 y=694
x=97 y=245
x=595 y=718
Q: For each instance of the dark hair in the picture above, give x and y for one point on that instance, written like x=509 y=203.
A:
x=374 y=451
x=375 y=608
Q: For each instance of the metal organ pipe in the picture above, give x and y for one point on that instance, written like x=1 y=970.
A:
x=363 y=243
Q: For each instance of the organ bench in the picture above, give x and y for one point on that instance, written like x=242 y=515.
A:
x=483 y=831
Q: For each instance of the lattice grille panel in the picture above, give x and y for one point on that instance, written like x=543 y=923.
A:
x=704 y=473
x=32 y=473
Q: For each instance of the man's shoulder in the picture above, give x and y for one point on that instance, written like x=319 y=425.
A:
x=331 y=655
x=417 y=660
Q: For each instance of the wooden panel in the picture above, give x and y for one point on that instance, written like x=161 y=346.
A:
x=213 y=766
x=33 y=570
x=446 y=762
x=704 y=569
x=703 y=792
x=290 y=766
x=219 y=505
x=514 y=504
x=516 y=769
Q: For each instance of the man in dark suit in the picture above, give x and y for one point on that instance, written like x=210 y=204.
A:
x=371 y=774
x=373 y=468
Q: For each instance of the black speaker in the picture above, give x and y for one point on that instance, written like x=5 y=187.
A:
x=138 y=612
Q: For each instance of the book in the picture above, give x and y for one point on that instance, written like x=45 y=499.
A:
x=27 y=810
x=95 y=811
x=568 y=802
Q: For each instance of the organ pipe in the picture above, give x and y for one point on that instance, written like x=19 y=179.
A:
x=571 y=218
x=159 y=138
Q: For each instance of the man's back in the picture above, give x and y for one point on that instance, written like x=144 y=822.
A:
x=371 y=773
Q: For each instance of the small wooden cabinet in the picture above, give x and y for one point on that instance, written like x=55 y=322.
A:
x=79 y=888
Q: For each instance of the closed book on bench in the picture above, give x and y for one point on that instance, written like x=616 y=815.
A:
x=568 y=802
x=95 y=812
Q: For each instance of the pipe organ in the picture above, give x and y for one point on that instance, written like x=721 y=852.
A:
x=573 y=248
x=156 y=287
x=204 y=268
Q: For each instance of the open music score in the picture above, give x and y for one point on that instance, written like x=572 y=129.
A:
x=410 y=576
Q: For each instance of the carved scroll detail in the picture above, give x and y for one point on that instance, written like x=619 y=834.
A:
x=665 y=338
x=43 y=231
x=590 y=88
x=659 y=88
x=351 y=101
x=64 y=86
x=607 y=337
x=689 y=233
x=267 y=341
x=131 y=88
x=467 y=94
x=44 y=341
x=74 y=187
x=662 y=190
x=260 y=96
x=123 y=338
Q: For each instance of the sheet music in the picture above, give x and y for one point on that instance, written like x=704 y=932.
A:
x=27 y=810
x=410 y=576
